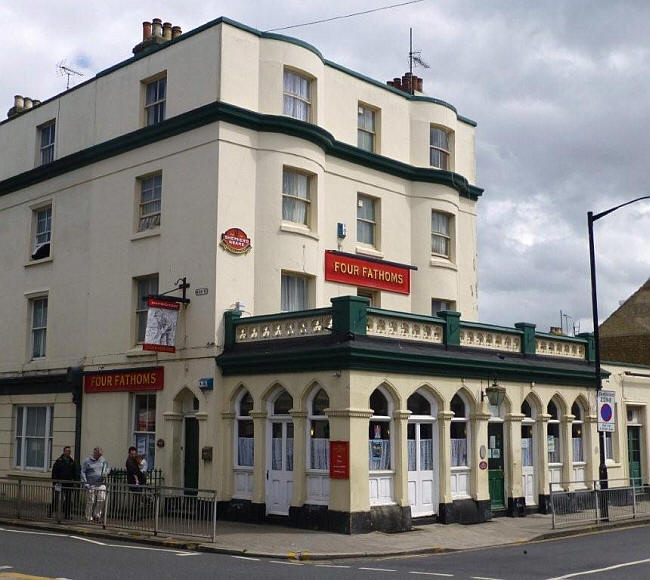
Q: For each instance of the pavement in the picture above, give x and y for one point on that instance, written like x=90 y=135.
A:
x=281 y=542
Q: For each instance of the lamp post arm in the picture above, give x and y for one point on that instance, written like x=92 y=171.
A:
x=604 y=213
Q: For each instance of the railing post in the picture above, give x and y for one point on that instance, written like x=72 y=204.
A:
x=156 y=507
x=106 y=505
x=597 y=496
x=58 y=498
x=19 y=498
x=633 y=500
x=214 y=517
x=550 y=495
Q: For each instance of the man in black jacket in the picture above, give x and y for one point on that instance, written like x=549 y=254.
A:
x=64 y=471
x=135 y=478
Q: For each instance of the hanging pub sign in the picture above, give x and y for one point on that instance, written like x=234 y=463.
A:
x=339 y=459
x=143 y=379
x=235 y=241
x=367 y=272
x=162 y=320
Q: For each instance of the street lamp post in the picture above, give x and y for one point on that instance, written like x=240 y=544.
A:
x=591 y=218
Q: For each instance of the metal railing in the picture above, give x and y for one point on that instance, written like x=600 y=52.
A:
x=154 y=477
x=173 y=511
x=586 y=502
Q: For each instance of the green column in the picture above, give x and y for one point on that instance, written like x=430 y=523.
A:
x=451 y=331
x=349 y=315
x=528 y=339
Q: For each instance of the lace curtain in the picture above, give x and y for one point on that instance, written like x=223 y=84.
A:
x=320 y=453
x=378 y=454
x=458 y=452
x=245 y=451
x=527 y=452
x=426 y=455
x=294 y=293
x=578 y=454
x=553 y=449
x=276 y=451
x=296 y=106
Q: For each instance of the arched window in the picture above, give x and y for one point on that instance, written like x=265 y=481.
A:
x=319 y=431
x=418 y=405
x=283 y=404
x=379 y=458
x=577 y=431
x=420 y=433
x=553 y=434
x=527 y=426
x=459 y=423
x=245 y=431
x=281 y=431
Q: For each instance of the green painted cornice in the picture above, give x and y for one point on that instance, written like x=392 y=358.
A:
x=219 y=111
x=372 y=354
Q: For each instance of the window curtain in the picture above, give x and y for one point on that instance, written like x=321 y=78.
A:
x=296 y=106
x=527 y=452
x=276 y=454
x=439 y=229
x=379 y=454
x=578 y=453
x=294 y=293
x=554 y=456
x=245 y=451
x=426 y=454
x=412 y=466
x=289 y=454
x=458 y=452
x=295 y=185
x=320 y=453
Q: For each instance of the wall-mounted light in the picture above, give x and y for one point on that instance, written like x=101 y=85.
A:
x=495 y=394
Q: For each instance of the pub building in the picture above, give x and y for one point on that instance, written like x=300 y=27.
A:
x=261 y=270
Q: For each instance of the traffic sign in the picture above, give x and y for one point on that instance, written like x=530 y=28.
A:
x=607 y=411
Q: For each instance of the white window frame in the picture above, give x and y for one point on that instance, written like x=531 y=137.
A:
x=372 y=222
x=439 y=150
x=37 y=329
x=578 y=422
x=285 y=277
x=377 y=475
x=46 y=150
x=302 y=201
x=158 y=105
x=141 y=309
x=440 y=235
x=458 y=471
x=238 y=418
x=318 y=480
x=21 y=440
x=148 y=218
x=41 y=237
x=364 y=130
x=243 y=474
x=136 y=432
x=557 y=422
x=288 y=96
x=448 y=305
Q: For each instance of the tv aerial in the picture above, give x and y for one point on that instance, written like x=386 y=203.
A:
x=64 y=70
x=415 y=58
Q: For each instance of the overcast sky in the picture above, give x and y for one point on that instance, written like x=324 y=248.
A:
x=560 y=91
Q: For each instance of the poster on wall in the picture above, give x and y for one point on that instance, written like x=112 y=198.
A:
x=162 y=320
x=339 y=459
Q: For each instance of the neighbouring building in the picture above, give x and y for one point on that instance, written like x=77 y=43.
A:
x=326 y=225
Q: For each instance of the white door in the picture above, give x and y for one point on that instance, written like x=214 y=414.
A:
x=423 y=468
x=528 y=481
x=279 y=474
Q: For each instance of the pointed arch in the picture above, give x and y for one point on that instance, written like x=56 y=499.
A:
x=583 y=402
x=236 y=394
x=271 y=392
x=183 y=400
x=560 y=403
x=432 y=392
x=307 y=392
x=391 y=392
x=468 y=398
x=535 y=403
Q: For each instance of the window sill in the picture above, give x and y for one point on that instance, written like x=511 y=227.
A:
x=34 y=473
x=369 y=251
x=41 y=261
x=319 y=472
x=137 y=351
x=440 y=262
x=244 y=468
x=145 y=234
x=298 y=229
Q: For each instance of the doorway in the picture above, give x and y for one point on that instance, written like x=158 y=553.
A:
x=634 y=454
x=279 y=467
x=191 y=453
x=495 y=465
x=528 y=454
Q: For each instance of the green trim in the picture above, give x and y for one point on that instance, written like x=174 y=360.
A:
x=349 y=315
x=490 y=327
x=528 y=344
x=219 y=111
x=267 y=35
x=354 y=356
x=451 y=330
x=405 y=316
x=230 y=318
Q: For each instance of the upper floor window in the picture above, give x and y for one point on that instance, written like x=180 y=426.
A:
x=46 y=149
x=149 y=205
x=33 y=441
x=296 y=197
x=440 y=233
x=294 y=290
x=145 y=287
x=154 y=102
x=39 y=327
x=297 y=96
x=439 y=148
x=366 y=220
x=42 y=228
x=366 y=128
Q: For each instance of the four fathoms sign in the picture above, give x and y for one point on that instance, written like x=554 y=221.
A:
x=146 y=379
x=367 y=272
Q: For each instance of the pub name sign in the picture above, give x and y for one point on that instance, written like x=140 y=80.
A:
x=148 y=379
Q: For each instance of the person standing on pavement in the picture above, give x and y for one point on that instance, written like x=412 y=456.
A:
x=136 y=479
x=65 y=471
x=93 y=476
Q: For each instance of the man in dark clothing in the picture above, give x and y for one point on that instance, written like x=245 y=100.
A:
x=64 y=471
x=135 y=478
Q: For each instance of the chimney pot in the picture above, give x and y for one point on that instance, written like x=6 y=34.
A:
x=176 y=31
x=167 y=30
x=146 y=31
x=157 y=27
x=419 y=85
x=28 y=103
x=36 y=102
x=19 y=102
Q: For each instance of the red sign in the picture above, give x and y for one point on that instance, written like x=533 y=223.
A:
x=483 y=465
x=347 y=269
x=339 y=460
x=149 y=379
x=235 y=241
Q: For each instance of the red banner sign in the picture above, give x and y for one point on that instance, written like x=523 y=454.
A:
x=367 y=273
x=149 y=379
x=339 y=460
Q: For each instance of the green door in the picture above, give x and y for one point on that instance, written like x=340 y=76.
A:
x=634 y=454
x=495 y=465
x=191 y=470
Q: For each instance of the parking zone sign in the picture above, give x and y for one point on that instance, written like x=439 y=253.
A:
x=606 y=411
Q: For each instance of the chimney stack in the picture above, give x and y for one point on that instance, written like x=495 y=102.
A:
x=406 y=83
x=155 y=32
x=22 y=104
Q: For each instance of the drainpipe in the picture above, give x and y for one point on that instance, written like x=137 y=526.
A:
x=74 y=379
